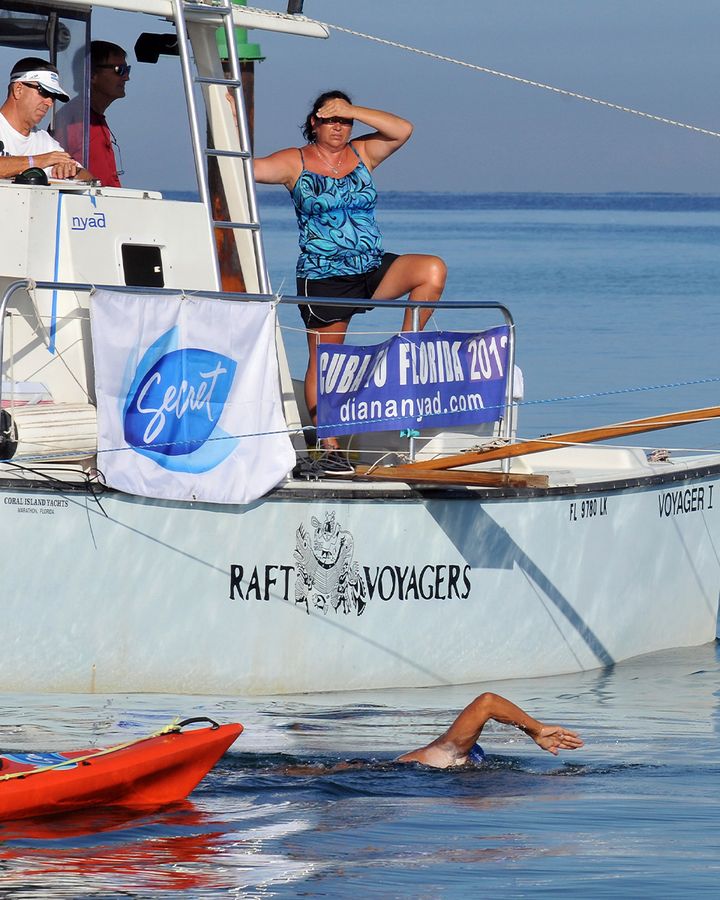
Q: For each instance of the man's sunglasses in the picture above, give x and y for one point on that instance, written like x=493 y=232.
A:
x=46 y=95
x=121 y=69
x=335 y=120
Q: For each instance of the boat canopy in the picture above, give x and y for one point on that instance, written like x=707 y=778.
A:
x=243 y=17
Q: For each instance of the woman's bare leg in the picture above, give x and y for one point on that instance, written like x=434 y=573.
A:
x=420 y=276
x=328 y=334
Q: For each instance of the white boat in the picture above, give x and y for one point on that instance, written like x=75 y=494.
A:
x=500 y=564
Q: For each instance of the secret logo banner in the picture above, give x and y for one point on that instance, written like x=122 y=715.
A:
x=188 y=397
x=432 y=379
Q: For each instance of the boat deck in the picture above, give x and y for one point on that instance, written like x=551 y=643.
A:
x=568 y=469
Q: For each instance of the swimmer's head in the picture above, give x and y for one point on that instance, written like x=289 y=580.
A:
x=476 y=755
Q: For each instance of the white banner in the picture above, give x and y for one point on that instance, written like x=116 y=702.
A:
x=188 y=397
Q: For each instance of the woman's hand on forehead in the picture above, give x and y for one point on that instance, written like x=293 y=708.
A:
x=335 y=107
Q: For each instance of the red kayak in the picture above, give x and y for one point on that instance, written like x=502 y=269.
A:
x=152 y=771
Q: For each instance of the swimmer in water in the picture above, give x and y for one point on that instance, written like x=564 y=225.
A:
x=458 y=745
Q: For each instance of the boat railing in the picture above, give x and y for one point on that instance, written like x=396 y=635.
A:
x=28 y=284
x=445 y=306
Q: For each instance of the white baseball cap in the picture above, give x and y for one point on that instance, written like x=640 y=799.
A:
x=48 y=79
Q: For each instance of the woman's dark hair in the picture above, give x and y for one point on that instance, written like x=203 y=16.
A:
x=307 y=129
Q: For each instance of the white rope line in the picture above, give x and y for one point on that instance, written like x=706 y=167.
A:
x=400 y=450
x=72 y=761
x=603 y=445
x=575 y=95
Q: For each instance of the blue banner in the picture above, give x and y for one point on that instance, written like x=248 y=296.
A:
x=430 y=379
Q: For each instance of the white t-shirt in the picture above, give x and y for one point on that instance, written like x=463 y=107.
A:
x=33 y=144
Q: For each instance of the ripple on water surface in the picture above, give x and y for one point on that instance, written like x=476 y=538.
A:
x=634 y=811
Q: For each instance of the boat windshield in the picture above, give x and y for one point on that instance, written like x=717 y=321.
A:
x=63 y=38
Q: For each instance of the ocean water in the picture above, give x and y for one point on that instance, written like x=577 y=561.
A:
x=632 y=814
x=612 y=295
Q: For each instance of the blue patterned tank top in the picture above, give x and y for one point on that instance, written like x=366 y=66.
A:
x=336 y=219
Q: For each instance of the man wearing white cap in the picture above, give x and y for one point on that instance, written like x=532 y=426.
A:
x=34 y=87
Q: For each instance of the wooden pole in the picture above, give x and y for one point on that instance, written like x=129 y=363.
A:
x=568 y=439
x=457 y=477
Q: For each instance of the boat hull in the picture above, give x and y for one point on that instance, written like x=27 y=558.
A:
x=343 y=589
x=150 y=772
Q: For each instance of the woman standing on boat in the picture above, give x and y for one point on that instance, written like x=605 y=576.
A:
x=341 y=252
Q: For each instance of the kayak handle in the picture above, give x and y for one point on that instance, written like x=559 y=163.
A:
x=192 y=721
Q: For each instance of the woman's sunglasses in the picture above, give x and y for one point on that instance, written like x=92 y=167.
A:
x=121 y=69
x=335 y=120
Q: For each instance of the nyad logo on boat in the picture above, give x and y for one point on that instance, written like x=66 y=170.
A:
x=174 y=405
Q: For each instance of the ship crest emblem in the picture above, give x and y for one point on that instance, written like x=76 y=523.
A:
x=326 y=575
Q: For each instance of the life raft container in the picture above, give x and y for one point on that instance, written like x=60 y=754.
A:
x=149 y=772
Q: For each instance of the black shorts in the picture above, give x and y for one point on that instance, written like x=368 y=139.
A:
x=344 y=287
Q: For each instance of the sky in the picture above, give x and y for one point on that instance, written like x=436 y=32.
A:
x=473 y=132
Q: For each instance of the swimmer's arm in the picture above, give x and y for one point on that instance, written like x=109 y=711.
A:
x=468 y=725
x=452 y=747
x=465 y=730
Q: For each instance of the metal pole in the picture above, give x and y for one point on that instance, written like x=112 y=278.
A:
x=415 y=328
x=509 y=385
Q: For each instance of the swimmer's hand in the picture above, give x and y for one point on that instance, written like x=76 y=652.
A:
x=554 y=738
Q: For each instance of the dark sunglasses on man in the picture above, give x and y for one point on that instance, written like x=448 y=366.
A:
x=120 y=69
x=46 y=95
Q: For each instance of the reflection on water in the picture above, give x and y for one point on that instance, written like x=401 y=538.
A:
x=181 y=849
x=633 y=812
x=86 y=853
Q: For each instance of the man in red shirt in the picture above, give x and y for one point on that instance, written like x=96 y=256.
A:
x=109 y=72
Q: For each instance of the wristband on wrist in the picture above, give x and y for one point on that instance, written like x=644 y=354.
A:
x=31 y=162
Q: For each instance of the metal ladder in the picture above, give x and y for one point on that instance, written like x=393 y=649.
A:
x=201 y=153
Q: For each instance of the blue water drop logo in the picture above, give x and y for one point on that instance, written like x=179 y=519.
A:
x=175 y=403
